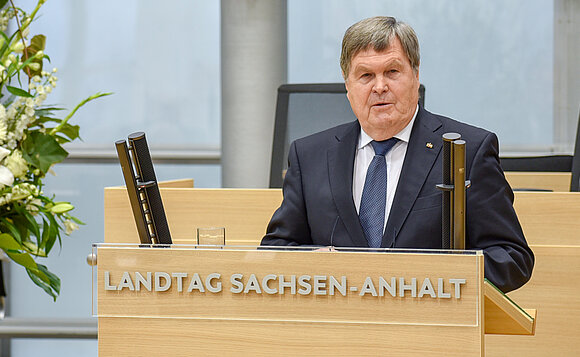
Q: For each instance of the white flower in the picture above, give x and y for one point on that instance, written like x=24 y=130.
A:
x=32 y=205
x=34 y=66
x=6 y=176
x=5 y=199
x=29 y=111
x=3 y=130
x=18 y=47
x=20 y=192
x=21 y=125
x=70 y=226
x=16 y=163
x=3 y=153
x=12 y=110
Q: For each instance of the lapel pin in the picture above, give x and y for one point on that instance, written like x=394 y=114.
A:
x=429 y=145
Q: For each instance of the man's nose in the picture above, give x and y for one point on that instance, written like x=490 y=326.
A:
x=380 y=85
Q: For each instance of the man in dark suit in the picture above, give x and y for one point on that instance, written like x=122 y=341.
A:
x=328 y=196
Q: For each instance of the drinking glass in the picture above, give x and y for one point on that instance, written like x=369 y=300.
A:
x=211 y=236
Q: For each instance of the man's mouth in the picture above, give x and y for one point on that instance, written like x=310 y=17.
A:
x=381 y=104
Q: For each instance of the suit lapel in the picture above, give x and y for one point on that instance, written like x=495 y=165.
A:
x=419 y=160
x=340 y=169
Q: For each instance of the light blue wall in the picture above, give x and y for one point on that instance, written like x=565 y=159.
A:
x=488 y=63
x=161 y=59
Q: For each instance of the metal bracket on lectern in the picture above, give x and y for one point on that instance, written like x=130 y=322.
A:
x=453 y=187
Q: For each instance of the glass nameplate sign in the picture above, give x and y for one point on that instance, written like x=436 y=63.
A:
x=379 y=286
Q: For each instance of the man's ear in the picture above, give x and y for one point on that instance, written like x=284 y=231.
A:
x=347 y=91
x=417 y=76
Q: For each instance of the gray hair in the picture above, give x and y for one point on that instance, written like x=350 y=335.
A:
x=377 y=33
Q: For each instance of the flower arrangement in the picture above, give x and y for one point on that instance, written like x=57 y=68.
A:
x=31 y=142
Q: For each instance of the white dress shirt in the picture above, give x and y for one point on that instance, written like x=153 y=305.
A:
x=395 y=158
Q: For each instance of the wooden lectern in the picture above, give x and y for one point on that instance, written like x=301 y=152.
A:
x=185 y=300
x=194 y=300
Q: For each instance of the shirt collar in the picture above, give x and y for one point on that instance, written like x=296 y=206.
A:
x=364 y=139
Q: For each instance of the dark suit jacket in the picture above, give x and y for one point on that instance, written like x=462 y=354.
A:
x=318 y=208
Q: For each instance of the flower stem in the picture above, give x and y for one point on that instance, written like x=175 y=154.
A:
x=57 y=128
x=20 y=29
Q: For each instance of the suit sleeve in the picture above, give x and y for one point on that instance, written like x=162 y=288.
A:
x=289 y=224
x=492 y=224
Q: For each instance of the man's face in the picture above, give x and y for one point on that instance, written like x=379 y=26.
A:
x=383 y=90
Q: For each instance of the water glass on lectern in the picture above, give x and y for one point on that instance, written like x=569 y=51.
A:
x=211 y=236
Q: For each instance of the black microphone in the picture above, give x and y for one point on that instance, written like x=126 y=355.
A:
x=332 y=233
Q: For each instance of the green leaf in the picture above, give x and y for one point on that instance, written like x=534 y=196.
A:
x=71 y=131
x=30 y=221
x=42 y=151
x=54 y=280
x=3 y=3
x=47 y=111
x=33 y=275
x=50 y=232
x=26 y=61
x=19 y=92
x=12 y=68
x=76 y=220
x=20 y=224
x=43 y=121
x=13 y=230
x=45 y=233
x=38 y=273
x=49 y=282
x=21 y=258
x=34 y=249
x=49 y=235
x=61 y=139
x=5 y=44
x=6 y=39
x=21 y=219
x=7 y=242
x=37 y=43
x=54 y=232
x=62 y=207
x=44 y=118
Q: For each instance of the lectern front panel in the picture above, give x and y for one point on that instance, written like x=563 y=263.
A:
x=244 y=297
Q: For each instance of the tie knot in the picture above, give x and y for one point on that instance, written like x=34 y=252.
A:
x=383 y=147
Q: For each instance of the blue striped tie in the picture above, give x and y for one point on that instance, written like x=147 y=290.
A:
x=374 y=196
